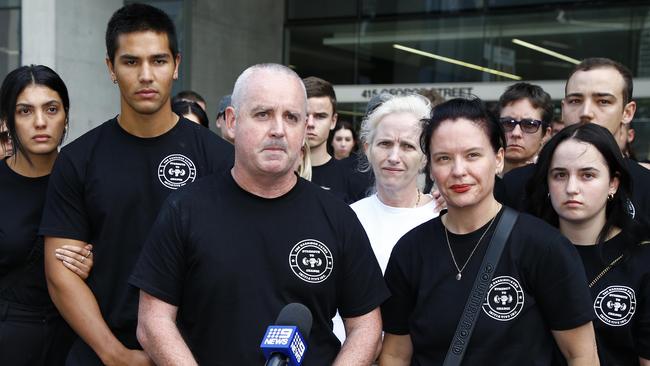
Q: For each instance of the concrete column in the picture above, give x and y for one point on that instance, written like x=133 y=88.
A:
x=227 y=37
x=68 y=36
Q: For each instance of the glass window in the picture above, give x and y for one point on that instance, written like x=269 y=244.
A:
x=307 y=9
x=531 y=45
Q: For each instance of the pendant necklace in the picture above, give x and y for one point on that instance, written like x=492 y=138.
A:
x=453 y=258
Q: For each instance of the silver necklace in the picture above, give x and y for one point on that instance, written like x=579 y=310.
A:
x=453 y=258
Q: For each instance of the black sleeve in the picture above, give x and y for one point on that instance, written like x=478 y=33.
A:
x=161 y=266
x=560 y=285
x=361 y=287
x=511 y=190
x=395 y=312
x=221 y=153
x=64 y=214
x=642 y=323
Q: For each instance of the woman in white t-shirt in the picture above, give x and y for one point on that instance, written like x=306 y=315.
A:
x=390 y=137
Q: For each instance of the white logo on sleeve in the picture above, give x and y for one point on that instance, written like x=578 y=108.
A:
x=504 y=299
x=176 y=170
x=615 y=305
x=311 y=261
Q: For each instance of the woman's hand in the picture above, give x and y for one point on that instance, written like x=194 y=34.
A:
x=77 y=259
x=441 y=204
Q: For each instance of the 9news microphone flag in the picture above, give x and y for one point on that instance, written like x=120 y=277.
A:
x=285 y=343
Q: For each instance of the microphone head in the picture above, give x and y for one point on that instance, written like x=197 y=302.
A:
x=298 y=315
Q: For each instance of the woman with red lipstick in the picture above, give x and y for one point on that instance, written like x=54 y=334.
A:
x=536 y=297
x=582 y=186
x=34 y=104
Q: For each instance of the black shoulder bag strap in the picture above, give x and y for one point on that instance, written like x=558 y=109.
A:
x=479 y=289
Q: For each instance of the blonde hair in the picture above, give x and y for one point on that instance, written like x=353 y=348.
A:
x=415 y=104
x=304 y=164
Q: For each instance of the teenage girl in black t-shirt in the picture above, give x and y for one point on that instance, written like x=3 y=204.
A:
x=34 y=105
x=581 y=185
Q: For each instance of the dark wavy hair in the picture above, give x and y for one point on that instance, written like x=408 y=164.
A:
x=14 y=84
x=616 y=211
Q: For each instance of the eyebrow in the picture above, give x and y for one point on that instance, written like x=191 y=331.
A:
x=578 y=94
x=586 y=169
x=134 y=57
x=50 y=102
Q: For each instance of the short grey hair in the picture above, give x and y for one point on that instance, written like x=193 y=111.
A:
x=242 y=86
x=415 y=104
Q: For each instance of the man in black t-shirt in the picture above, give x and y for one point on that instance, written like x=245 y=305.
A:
x=599 y=90
x=327 y=172
x=226 y=254
x=107 y=186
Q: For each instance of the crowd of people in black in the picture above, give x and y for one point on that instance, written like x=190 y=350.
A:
x=440 y=232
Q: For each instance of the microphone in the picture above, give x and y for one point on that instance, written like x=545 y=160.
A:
x=285 y=343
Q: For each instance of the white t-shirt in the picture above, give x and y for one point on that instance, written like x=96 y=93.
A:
x=385 y=225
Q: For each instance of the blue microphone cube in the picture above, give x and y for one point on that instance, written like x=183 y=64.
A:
x=286 y=340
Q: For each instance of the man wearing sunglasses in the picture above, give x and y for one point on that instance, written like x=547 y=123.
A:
x=525 y=112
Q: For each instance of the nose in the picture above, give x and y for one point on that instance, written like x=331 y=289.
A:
x=572 y=187
x=517 y=132
x=310 y=121
x=458 y=168
x=587 y=111
x=393 y=155
x=40 y=121
x=277 y=127
x=146 y=74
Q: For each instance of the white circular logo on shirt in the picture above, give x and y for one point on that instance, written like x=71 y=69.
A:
x=176 y=170
x=615 y=305
x=311 y=261
x=504 y=299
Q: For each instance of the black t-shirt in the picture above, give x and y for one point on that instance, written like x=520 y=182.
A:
x=231 y=260
x=334 y=178
x=514 y=185
x=106 y=189
x=360 y=183
x=621 y=301
x=538 y=285
x=22 y=278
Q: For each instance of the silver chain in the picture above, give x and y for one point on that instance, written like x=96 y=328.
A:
x=453 y=258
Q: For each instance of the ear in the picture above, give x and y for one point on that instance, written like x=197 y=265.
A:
x=546 y=137
x=231 y=120
x=177 y=62
x=500 y=157
x=366 y=147
x=335 y=117
x=613 y=185
x=111 y=70
x=628 y=112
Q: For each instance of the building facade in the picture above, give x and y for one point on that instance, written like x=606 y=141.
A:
x=364 y=47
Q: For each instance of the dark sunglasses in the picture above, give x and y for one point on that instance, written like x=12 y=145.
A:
x=528 y=125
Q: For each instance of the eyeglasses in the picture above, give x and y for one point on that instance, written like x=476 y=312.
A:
x=527 y=125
